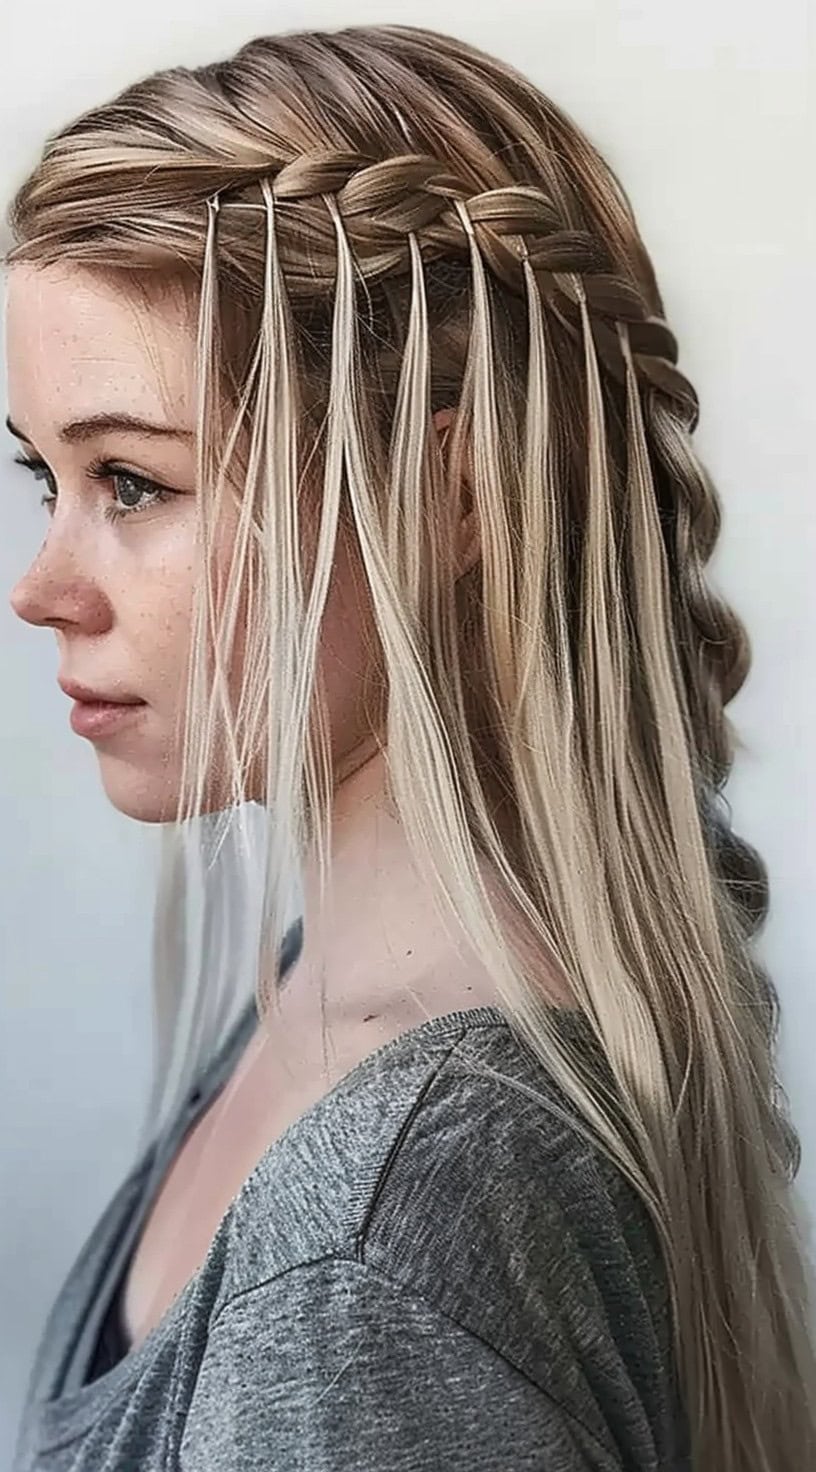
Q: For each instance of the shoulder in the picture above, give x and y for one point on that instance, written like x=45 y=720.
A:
x=475 y=1198
x=315 y=1190
x=497 y=1209
x=447 y=1159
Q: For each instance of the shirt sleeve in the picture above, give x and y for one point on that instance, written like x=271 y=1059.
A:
x=333 y=1367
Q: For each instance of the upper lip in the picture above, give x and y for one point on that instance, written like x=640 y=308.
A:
x=82 y=692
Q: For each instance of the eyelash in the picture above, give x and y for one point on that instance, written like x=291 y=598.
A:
x=105 y=470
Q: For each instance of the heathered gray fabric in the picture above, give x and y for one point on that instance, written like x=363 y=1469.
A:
x=425 y=1273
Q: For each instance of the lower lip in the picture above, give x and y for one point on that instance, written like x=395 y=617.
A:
x=96 y=718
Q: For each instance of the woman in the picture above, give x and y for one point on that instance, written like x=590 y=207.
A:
x=405 y=552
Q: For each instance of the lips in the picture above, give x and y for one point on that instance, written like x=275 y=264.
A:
x=86 y=696
x=97 y=719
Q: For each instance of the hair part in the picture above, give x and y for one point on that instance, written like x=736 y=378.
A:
x=375 y=223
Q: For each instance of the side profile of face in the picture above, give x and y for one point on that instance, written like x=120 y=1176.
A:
x=114 y=575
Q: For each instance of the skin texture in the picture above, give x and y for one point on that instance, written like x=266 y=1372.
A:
x=118 y=597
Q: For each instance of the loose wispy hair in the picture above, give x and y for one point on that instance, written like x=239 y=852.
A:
x=373 y=224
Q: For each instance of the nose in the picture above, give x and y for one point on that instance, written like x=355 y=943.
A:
x=56 y=593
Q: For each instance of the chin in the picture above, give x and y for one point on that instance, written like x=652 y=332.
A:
x=141 y=808
x=138 y=794
x=152 y=797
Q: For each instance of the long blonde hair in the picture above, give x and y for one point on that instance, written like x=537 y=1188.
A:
x=375 y=223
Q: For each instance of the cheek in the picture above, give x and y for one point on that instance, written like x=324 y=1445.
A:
x=348 y=658
x=163 y=632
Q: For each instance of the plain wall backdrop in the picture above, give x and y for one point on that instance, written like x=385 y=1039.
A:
x=705 y=111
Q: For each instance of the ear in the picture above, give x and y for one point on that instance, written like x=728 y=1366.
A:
x=468 y=542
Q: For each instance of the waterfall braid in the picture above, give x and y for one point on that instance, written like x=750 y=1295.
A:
x=373 y=224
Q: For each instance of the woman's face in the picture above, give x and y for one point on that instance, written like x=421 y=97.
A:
x=114 y=575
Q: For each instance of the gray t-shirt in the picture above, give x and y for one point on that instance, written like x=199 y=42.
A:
x=427 y=1272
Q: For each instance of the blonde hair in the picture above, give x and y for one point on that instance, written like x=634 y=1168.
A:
x=375 y=223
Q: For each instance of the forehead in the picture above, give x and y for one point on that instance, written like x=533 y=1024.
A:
x=74 y=340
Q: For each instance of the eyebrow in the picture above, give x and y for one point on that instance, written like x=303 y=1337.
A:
x=78 y=430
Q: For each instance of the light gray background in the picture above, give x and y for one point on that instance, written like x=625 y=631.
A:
x=703 y=110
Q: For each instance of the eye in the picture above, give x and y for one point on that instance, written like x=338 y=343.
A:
x=135 y=492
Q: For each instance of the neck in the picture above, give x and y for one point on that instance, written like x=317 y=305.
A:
x=378 y=942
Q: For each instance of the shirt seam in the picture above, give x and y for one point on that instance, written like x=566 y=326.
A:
x=399 y=1140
